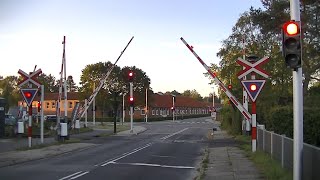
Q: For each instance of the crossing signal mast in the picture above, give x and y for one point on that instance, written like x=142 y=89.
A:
x=291 y=44
x=131 y=99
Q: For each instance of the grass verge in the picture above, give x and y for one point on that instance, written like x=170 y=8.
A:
x=270 y=168
x=204 y=165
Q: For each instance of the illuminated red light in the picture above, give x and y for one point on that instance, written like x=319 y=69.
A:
x=253 y=87
x=291 y=28
x=27 y=94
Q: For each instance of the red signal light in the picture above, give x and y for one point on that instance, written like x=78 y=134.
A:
x=291 y=28
x=131 y=101
x=130 y=76
x=253 y=87
x=27 y=94
x=230 y=86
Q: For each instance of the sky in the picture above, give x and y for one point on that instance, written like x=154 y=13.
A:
x=32 y=31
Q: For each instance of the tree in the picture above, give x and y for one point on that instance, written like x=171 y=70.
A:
x=49 y=82
x=193 y=94
x=71 y=85
x=116 y=82
x=10 y=91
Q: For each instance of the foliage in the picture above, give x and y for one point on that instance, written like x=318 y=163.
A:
x=280 y=120
x=71 y=85
x=116 y=85
x=49 y=82
x=9 y=91
x=193 y=94
x=258 y=32
x=231 y=119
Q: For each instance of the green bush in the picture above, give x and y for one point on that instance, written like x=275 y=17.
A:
x=231 y=119
x=280 y=120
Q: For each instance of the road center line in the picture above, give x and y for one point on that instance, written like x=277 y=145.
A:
x=112 y=161
x=156 y=165
x=170 y=135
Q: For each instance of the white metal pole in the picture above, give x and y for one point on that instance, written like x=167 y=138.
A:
x=146 y=110
x=245 y=95
x=131 y=108
x=65 y=80
x=213 y=97
x=86 y=113
x=41 y=121
x=253 y=122
x=297 y=105
x=123 y=111
x=30 y=122
x=94 y=106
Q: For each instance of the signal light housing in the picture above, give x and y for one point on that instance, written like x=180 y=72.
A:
x=291 y=44
x=130 y=76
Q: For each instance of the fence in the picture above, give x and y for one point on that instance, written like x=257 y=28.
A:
x=280 y=148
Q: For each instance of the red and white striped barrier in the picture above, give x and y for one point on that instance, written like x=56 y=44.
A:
x=234 y=100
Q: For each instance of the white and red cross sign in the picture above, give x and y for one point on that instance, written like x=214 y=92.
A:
x=253 y=67
x=29 y=78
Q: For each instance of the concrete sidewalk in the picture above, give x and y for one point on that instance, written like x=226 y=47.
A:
x=228 y=161
x=10 y=156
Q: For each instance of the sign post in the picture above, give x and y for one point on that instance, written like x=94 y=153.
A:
x=29 y=94
x=253 y=88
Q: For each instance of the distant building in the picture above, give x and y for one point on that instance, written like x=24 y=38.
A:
x=162 y=104
x=159 y=105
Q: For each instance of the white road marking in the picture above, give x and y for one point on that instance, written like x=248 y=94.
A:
x=123 y=156
x=157 y=165
x=170 y=135
x=163 y=156
x=70 y=175
x=75 y=177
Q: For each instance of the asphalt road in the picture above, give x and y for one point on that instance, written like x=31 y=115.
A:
x=167 y=150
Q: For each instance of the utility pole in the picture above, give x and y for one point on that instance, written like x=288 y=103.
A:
x=245 y=123
x=146 y=110
x=94 y=106
x=297 y=104
x=173 y=106
x=86 y=113
x=131 y=107
x=123 y=110
x=65 y=81
x=41 y=113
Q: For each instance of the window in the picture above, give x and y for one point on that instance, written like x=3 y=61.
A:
x=47 y=105
x=53 y=105
x=143 y=112
x=157 y=113
x=70 y=104
x=168 y=112
x=152 y=112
